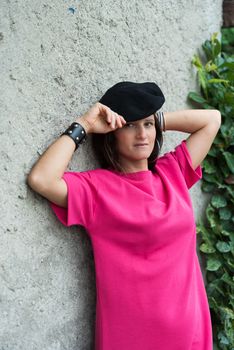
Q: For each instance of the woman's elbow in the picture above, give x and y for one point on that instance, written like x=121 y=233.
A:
x=216 y=117
x=34 y=182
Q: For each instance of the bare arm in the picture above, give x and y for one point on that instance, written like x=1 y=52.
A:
x=46 y=174
x=54 y=161
x=203 y=126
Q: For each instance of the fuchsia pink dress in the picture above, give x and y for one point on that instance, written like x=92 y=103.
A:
x=150 y=290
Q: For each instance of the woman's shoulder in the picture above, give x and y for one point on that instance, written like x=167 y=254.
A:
x=174 y=154
x=178 y=161
x=94 y=174
x=170 y=161
x=97 y=172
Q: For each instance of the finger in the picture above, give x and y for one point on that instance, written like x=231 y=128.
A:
x=113 y=121
x=116 y=120
x=123 y=120
x=110 y=119
x=105 y=111
x=119 y=121
x=108 y=115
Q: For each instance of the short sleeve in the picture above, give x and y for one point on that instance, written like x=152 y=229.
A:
x=182 y=156
x=81 y=200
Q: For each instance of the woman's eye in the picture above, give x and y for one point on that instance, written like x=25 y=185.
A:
x=131 y=125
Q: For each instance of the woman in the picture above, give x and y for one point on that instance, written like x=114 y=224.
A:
x=138 y=213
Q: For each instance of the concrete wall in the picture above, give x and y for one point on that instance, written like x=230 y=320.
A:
x=57 y=59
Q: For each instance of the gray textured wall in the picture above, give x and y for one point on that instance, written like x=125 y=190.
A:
x=57 y=58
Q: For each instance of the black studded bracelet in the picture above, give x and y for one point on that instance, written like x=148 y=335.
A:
x=77 y=133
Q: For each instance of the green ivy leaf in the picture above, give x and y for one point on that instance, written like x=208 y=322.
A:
x=219 y=60
x=207 y=187
x=217 y=81
x=230 y=191
x=229 y=98
x=218 y=201
x=224 y=232
x=212 y=178
x=227 y=279
x=197 y=98
x=227 y=313
x=205 y=232
x=196 y=61
x=206 y=248
x=223 y=247
x=224 y=130
x=209 y=166
x=219 y=140
x=207 y=49
x=230 y=160
x=213 y=152
x=210 y=66
x=230 y=263
x=223 y=339
x=211 y=216
x=213 y=220
x=203 y=81
x=213 y=264
x=216 y=45
x=229 y=65
x=225 y=214
x=227 y=225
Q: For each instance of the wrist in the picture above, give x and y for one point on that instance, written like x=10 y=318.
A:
x=83 y=122
x=77 y=133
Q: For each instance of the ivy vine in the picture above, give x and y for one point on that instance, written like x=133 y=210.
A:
x=215 y=72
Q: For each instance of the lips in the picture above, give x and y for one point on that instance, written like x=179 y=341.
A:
x=141 y=144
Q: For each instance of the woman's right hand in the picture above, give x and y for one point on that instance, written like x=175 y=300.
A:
x=101 y=119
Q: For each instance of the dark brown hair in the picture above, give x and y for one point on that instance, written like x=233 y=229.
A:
x=104 y=147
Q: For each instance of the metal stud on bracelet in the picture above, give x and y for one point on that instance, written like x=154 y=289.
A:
x=77 y=133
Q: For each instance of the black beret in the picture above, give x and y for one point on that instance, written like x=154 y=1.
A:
x=132 y=100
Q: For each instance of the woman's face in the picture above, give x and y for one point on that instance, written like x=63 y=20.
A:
x=135 y=142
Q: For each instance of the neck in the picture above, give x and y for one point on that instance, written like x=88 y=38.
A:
x=141 y=165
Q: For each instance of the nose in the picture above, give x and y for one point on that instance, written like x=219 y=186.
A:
x=141 y=132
